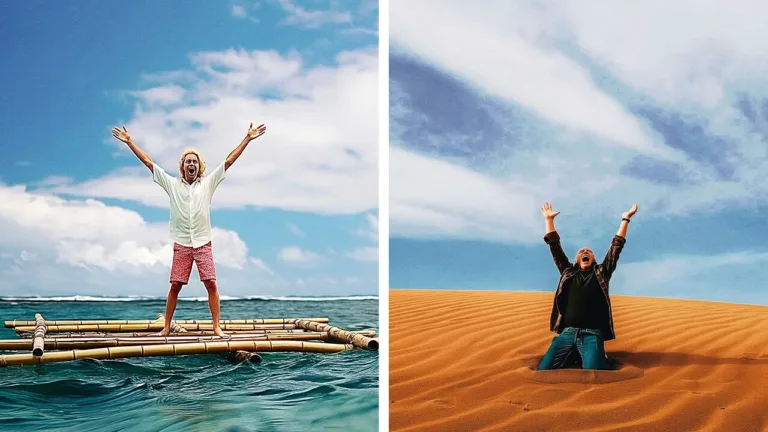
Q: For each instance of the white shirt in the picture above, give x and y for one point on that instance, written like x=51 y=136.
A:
x=190 y=205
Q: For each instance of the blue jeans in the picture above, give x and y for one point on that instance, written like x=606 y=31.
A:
x=588 y=343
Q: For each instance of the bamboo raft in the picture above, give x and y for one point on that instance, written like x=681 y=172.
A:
x=48 y=341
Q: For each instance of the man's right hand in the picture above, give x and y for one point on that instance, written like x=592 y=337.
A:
x=121 y=134
x=124 y=136
x=547 y=211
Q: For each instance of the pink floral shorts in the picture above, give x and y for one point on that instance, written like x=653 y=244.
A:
x=184 y=256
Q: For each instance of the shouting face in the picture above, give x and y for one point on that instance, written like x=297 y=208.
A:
x=191 y=167
x=585 y=257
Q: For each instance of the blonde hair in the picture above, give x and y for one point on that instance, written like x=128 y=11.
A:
x=200 y=159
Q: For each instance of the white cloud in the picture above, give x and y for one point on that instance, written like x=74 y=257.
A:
x=296 y=230
x=296 y=255
x=54 y=181
x=260 y=264
x=699 y=275
x=694 y=49
x=514 y=69
x=302 y=17
x=373 y=221
x=328 y=280
x=360 y=30
x=169 y=77
x=365 y=254
x=161 y=96
x=694 y=62
x=319 y=153
x=239 y=11
x=91 y=234
x=15 y=261
x=431 y=197
x=239 y=67
x=372 y=232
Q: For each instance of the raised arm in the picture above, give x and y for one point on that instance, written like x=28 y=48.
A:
x=625 y=221
x=250 y=136
x=124 y=136
x=552 y=238
x=617 y=244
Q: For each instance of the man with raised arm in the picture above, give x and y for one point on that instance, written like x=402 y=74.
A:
x=581 y=312
x=190 y=198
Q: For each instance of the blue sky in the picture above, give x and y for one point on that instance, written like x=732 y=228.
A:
x=297 y=214
x=497 y=110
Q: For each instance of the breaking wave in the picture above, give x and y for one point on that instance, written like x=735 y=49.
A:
x=78 y=298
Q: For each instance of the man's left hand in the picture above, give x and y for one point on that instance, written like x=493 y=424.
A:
x=631 y=212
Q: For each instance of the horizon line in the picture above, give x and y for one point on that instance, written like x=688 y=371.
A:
x=552 y=292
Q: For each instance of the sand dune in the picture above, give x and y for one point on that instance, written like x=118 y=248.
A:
x=463 y=361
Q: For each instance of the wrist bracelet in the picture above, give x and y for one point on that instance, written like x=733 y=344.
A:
x=625 y=219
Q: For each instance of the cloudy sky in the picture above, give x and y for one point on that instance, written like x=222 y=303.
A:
x=495 y=110
x=297 y=214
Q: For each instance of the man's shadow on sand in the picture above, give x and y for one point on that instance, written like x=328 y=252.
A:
x=648 y=359
x=627 y=365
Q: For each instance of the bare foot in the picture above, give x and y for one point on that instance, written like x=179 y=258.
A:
x=220 y=333
x=163 y=333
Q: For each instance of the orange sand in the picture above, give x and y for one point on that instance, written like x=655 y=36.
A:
x=461 y=361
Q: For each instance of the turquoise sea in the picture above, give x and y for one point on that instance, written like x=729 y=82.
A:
x=286 y=392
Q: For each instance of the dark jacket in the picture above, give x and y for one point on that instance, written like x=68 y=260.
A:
x=603 y=271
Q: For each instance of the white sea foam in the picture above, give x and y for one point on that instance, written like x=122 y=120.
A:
x=78 y=298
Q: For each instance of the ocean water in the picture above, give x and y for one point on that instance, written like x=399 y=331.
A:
x=286 y=392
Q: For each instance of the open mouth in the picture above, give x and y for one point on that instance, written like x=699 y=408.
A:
x=585 y=258
x=191 y=170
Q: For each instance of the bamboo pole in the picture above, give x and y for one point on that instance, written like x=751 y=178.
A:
x=369 y=333
x=187 y=333
x=173 y=350
x=175 y=328
x=19 y=323
x=154 y=326
x=102 y=342
x=38 y=343
x=340 y=335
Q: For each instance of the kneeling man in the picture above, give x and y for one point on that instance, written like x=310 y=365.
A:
x=581 y=312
